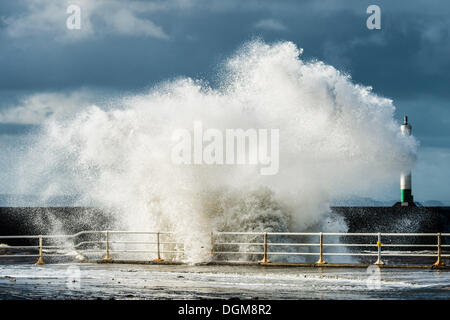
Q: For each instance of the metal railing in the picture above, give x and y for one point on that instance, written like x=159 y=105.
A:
x=74 y=245
x=276 y=240
x=247 y=246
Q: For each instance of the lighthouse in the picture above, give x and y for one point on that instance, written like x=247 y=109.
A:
x=405 y=177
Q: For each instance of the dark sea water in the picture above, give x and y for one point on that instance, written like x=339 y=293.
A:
x=93 y=281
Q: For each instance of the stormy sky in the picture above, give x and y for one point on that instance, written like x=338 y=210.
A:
x=48 y=70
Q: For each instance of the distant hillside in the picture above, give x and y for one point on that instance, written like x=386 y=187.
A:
x=362 y=202
x=433 y=203
x=8 y=200
x=369 y=202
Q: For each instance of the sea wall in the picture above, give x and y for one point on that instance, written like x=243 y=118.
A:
x=69 y=220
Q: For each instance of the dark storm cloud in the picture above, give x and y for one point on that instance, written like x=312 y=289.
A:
x=399 y=64
x=407 y=59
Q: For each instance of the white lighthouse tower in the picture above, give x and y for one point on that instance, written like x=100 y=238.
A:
x=405 y=178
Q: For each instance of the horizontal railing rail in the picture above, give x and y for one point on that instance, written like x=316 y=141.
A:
x=270 y=247
x=163 y=244
x=105 y=243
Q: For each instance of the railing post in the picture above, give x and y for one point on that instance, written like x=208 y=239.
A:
x=321 y=260
x=158 y=259
x=379 y=244
x=107 y=257
x=265 y=260
x=40 y=260
x=439 y=262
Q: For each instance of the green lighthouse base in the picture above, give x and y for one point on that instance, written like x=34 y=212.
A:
x=406 y=196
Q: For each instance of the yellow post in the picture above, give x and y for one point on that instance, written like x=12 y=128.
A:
x=40 y=260
x=107 y=257
x=321 y=260
x=265 y=260
x=439 y=262
x=379 y=244
x=159 y=251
